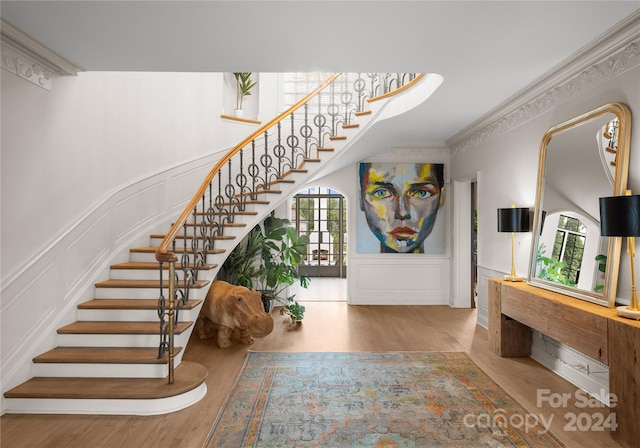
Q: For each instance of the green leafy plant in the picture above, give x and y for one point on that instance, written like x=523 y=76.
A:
x=244 y=84
x=550 y=269
x=282 y=252
x=266 y=260
x=602 y=267
x=241 y=266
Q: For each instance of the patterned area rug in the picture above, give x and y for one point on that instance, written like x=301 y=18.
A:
x=370 y=400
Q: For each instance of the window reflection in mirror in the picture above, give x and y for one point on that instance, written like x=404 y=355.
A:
x=568 y=251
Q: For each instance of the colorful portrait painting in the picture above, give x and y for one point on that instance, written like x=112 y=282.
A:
x=400 y=204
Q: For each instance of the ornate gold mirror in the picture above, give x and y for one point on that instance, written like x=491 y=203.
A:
x=581 y=160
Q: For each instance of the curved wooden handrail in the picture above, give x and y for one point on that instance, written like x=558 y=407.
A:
x=163 y=254
x=418 y=77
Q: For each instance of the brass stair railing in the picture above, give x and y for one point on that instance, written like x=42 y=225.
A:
x=249 y=170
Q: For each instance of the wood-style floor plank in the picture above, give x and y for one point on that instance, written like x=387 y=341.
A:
x=328 y=326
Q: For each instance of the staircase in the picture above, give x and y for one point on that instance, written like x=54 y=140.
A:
x=107 y=362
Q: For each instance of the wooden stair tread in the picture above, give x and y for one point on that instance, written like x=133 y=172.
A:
x=113 y=327
x=230 y=224
x=190 y=236
x=179 y=250
x=130 y=304
x=326 y=149
x=258 y=191
x=115 y=283
x=188 y=376
x=337 y=137
x=104 y=355
x=363 y=112
x=154 y=265
x=237 y=212
x=350 y=126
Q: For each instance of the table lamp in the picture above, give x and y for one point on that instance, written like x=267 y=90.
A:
x=513 y=220
x=620 y=217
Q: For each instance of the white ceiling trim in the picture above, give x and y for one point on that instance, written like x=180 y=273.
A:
x=611 y=55
x=29 y=59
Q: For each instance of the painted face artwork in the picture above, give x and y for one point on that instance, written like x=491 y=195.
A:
x=400 y=202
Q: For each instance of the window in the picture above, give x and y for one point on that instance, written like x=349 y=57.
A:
x=298 y=85
x=568 y=246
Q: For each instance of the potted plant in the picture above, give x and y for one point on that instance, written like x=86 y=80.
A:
x=266 y=260
x=244 y=84
x=282 y=251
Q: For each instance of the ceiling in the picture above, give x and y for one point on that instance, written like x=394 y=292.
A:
x=487 y=51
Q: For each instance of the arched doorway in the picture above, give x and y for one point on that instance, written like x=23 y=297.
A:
x=321 y=214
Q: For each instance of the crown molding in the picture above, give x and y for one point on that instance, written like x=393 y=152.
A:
x=29 y=59
x=612 y=54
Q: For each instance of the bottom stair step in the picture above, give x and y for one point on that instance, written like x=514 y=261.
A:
x=188 y=376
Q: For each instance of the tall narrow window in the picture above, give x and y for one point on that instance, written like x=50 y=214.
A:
x=568 y=246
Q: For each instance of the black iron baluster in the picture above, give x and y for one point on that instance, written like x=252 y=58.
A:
x=162 y=312
x=279 y=153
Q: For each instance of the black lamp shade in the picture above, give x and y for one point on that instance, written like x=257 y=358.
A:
x=514 y=219
x=620 y=216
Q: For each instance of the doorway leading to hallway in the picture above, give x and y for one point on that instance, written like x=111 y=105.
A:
x=321 y=214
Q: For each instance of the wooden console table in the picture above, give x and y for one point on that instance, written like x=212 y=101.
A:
x=515 y=308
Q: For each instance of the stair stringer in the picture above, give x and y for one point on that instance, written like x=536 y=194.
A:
x=380 y=110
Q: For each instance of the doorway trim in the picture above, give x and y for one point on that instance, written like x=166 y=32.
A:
x=462 y=258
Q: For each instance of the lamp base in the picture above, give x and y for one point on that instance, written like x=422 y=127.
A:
x=624 y=311
x=513 y=279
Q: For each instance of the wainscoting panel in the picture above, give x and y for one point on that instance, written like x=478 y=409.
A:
x=184 y=184
x=34 y=293
x=86 y=249
x=416 y=282
x=137 y=208
x=585 y=372
x=482 y=299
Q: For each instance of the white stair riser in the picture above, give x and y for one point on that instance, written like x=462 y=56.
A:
x=144 y=293
x=142 y=256
x=139 y=274
x=105 y=407
x=146 y=274
x=147 y=257
x=132 y=315
x=70 y=370
x=118 y=340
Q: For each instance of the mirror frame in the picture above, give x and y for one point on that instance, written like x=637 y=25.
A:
x=608 y=296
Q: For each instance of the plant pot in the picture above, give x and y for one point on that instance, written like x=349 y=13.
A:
x=267 y=300
x=238 y=113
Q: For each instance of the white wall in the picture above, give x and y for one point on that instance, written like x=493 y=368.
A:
x=66 y=151
x=395 y=279
x=508 y=163
x=505 y=151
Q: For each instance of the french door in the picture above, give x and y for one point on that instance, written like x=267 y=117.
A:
x=320 y=213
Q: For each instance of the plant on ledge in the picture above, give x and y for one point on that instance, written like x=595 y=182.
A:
x=244 y=84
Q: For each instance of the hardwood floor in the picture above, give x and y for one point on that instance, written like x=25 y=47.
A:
x=328 y=326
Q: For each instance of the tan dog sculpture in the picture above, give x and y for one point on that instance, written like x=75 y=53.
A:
x=231 y=307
